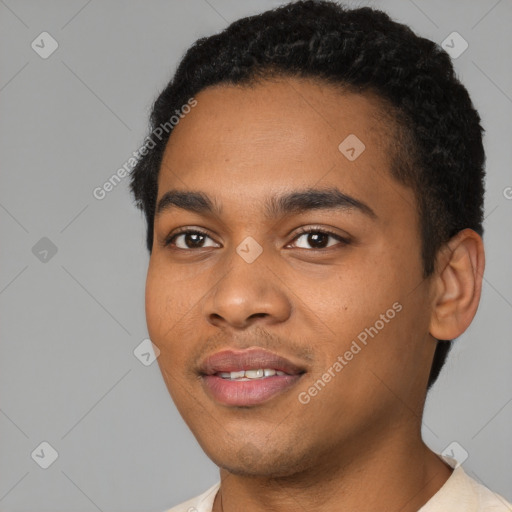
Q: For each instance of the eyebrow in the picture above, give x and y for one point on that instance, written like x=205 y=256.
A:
x=286 y=204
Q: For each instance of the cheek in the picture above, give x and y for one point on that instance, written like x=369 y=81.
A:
x=162 y=323
x=164 y=304
x=366 y=305
x=155 y=299
x=357 y=297
x=171 y=312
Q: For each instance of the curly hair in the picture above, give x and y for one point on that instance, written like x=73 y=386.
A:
x=438 y=149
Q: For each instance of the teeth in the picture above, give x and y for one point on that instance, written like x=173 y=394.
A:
x=245 y=375
x=254 y=374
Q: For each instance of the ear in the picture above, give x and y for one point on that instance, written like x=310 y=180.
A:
x=457 y=285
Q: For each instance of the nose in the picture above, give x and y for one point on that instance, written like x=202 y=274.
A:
x=247 y=293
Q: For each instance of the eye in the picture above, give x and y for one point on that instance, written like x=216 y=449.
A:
x=319 y=238
x=188 y=239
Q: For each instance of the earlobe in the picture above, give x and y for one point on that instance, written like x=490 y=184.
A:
x=458 y=285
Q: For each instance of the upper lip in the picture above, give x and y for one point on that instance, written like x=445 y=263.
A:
x=231 y=360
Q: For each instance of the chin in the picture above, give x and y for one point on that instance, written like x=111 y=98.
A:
x=267 y=462
x=259 y=470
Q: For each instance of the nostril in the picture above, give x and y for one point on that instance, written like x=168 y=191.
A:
x=259 y=315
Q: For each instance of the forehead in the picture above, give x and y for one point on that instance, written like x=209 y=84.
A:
x=246 y=143
x=288 y=115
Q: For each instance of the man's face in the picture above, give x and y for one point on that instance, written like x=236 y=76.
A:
x=342 y=313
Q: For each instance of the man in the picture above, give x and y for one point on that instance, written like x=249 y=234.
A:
x=314 y=221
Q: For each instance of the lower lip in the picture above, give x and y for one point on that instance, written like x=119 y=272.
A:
x=248 y=392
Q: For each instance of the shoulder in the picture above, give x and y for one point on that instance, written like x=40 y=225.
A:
x=201 y=503
x=461 y=493
x=488 y=501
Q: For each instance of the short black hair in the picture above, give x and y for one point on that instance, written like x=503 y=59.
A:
x=437 y=146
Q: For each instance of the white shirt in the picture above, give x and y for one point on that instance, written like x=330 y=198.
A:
x=460 y=493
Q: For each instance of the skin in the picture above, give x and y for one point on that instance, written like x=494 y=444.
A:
x=357 y=444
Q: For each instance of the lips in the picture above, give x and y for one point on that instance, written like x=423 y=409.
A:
x=251 y=359
x=248 y=377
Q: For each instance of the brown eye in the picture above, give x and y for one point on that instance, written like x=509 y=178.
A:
x=188 y=239
x=319 y=239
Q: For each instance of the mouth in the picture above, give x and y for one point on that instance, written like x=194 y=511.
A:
x=249 y=377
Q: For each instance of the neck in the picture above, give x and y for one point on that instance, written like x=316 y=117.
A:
x=390 y=475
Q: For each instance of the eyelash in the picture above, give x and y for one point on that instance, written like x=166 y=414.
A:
x=302 y=231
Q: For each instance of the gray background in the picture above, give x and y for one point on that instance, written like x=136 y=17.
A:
x=70 y=324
